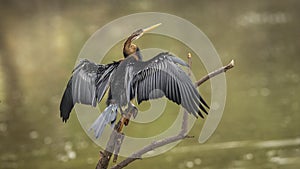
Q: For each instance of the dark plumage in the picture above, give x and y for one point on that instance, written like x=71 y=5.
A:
x=87 y=85
x=128 y=79
x=155 y=78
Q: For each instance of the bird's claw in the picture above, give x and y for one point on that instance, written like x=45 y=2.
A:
x=126 y=121
x=119 y=126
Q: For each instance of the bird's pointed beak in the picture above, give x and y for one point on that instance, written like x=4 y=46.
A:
x=146 y=30
x=151 y=28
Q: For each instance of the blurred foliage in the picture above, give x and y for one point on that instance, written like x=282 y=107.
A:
x=39 y=44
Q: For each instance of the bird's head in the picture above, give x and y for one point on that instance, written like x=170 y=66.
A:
x=130 y=48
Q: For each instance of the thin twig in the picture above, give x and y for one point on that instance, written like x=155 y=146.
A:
x=214 y=73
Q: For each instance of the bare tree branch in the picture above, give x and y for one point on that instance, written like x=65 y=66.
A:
x=214 y=73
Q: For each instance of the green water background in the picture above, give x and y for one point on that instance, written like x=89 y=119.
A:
x=39 y=44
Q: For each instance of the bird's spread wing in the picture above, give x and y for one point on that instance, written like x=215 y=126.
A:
x=87 y=85
x=161 y=76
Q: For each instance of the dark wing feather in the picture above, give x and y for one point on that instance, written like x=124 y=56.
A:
x=87 y=85
x=102 y=82
x=66 y=103
x=161 y=76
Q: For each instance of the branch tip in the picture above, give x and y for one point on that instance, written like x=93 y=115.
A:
x=232 y=63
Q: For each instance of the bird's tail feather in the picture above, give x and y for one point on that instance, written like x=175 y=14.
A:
x=108 y=116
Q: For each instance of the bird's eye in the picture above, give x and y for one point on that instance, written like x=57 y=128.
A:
x=137 y=32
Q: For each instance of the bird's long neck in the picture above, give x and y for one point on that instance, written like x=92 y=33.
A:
x=131 y=50
x=127 y=47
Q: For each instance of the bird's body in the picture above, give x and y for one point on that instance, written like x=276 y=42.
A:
x=128 y=79
x=118 y=83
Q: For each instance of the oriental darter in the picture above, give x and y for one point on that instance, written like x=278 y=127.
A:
x=127 y=79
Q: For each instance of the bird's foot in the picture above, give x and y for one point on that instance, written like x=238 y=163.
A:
x=126 y=121
x=131 y=111
x=119 y=125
